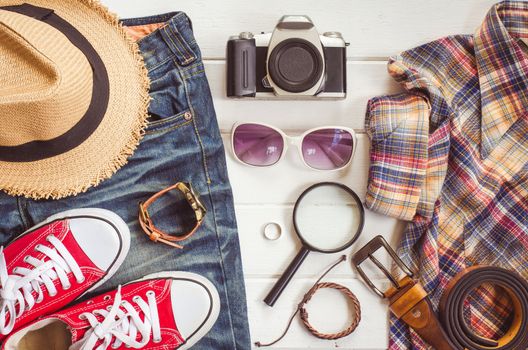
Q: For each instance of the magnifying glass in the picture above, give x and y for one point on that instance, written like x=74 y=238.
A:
x=328 y=217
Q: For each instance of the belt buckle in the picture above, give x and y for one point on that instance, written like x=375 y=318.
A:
x=367 y=253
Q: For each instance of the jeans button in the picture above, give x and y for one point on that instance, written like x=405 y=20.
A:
x=187 y=116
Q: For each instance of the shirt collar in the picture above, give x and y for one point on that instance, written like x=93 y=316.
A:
x=502 y=70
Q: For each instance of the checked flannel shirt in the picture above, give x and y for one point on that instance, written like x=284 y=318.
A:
x=451 y=156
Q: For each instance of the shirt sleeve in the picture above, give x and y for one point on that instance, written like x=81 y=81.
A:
x=409 y=135
x=398 y=128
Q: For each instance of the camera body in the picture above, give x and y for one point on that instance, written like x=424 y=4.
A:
x=294 y=61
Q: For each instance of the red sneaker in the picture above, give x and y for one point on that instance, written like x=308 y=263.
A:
x=167 y=310
x=57 y=261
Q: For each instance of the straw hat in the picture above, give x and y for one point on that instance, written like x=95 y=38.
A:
x=73 y=96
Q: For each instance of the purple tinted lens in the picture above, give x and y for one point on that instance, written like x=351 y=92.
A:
x=327 y=149
x=257 y=145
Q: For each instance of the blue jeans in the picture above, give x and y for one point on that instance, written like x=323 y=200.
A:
x=182 y=143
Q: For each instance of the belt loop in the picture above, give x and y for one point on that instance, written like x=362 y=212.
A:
x=177 y=43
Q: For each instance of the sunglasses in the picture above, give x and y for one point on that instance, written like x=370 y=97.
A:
x=324 y=148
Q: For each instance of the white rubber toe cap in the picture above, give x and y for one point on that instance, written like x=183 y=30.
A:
x=195 y=304
x=102 y=235
x=98 y=239
x=191 y=305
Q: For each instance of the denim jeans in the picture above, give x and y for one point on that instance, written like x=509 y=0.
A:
x=182 y=143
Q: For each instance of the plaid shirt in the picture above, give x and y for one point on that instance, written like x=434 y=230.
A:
x=451 y=155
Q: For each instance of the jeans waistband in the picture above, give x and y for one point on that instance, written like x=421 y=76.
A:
x=174 y=38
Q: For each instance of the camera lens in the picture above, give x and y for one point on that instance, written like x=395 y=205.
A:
x=295 y=65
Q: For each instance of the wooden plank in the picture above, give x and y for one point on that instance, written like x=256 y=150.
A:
x=267 y=323
x=365 y=80
x=374 y=28
x=266 y=258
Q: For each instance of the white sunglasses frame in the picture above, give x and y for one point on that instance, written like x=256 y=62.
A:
x=294 y=141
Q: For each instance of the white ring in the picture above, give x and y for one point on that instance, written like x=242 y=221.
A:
x=272 y=231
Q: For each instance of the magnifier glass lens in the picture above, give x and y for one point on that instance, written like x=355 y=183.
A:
x=328 y=217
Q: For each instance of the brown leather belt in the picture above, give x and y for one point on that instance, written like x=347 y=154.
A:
x=410 y=303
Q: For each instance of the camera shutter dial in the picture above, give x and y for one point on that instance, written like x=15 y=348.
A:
x=295 y=65
x=246 y=35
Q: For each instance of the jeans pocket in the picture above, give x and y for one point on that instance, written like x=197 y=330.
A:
x=169 y=123
x=168 y=95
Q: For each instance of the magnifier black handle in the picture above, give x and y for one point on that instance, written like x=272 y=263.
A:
x=279 y=286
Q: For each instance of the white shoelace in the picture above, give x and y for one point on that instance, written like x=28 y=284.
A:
x=122 y=326
x=16 y=290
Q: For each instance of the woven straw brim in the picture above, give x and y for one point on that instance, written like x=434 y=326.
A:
x=108 y=148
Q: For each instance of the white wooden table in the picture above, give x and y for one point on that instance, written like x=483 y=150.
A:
x=375 y=29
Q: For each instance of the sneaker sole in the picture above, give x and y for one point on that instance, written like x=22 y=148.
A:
x=214 y=311
x=106 y=215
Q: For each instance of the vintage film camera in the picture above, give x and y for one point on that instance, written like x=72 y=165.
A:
x=294 y=61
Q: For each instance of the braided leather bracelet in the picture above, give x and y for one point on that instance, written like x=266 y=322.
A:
x=355 y=303
x=304 y=314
